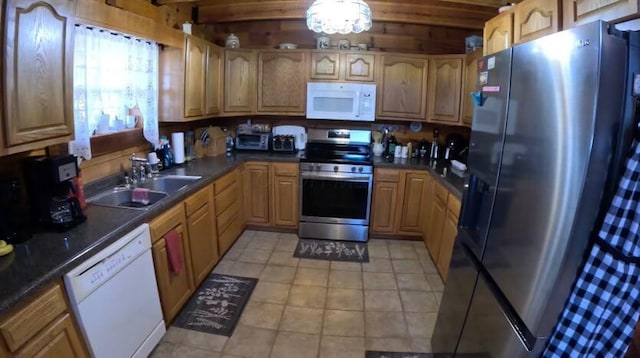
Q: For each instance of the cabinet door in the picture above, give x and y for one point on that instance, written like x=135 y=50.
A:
x=449 y=232
x=325 y=65
x=445 y=83
x=469 y=84
x=282 y=82
x=195 y=57
x=415 y=196
x=403 y=90
x=203 y=242
x=383 y=216
x=175 y=288
x=239 y=81
x=359 y=67
x=60 y=339
x=498 y=33
x=533 y=19
x=213 y=76
x=39 y=66
x=425 y=213
x=256 y=186
x=434 y=240
x=577 y=12
x=285 y=194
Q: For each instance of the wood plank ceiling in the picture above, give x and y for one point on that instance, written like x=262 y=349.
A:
x=421 y=26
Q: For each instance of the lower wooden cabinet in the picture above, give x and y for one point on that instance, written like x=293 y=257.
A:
x=203 y=243
x=398 y=197
x=42 y=328
x=285 y=194
x=174 y=288
x=256 y=195
x=228 y=208
x=449 y=232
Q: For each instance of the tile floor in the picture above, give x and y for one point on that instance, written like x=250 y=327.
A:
x=321 y=309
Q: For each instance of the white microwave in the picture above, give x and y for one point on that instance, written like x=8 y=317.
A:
x=342 y=101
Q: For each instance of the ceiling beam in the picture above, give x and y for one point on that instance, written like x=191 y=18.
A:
x=426 y=13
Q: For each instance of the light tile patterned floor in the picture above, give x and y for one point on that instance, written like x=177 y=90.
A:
x=320 y=309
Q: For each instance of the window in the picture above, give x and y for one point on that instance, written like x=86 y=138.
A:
x=115 y=86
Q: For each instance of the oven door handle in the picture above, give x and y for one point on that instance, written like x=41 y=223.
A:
x=337 y=177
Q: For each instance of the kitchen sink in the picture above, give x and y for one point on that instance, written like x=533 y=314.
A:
x=169 y=183
x=122 y=198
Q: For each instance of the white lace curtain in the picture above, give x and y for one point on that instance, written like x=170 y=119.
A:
x=113 y=76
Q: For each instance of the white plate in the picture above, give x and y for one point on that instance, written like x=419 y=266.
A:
x=415 y=126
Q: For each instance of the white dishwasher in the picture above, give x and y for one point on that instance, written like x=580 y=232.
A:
x=115 y=298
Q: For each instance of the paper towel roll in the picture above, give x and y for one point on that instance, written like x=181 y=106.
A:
x=177 y=143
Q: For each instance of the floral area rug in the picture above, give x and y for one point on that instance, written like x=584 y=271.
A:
x=217 y=305
x=332 y=250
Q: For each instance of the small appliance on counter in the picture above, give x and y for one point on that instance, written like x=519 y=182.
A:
x=253 y=141
x=455 y=145
x=289 y=138
x=49 y=184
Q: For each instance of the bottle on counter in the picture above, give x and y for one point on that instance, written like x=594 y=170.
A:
x=229 y=144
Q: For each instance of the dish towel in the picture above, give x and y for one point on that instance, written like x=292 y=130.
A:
x=603 y=308
x=174 y=251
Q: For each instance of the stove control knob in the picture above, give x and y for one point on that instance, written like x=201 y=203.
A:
x=360 y=169
x=353 y=169
x=317 y=166
x=335 y=169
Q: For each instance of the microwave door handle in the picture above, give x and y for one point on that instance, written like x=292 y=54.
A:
x=358 y=109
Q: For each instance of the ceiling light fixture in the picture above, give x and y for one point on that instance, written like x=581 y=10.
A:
x=341 y=16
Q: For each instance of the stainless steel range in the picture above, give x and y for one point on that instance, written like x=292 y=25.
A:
x=336 y=180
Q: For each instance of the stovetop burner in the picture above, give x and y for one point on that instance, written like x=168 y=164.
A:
x=337 y=153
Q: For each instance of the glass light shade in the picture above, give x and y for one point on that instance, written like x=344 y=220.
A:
x=341 y=16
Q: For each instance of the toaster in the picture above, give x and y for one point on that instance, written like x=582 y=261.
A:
x=283 y=143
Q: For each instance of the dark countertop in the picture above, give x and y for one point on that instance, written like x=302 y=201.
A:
x=45 y=258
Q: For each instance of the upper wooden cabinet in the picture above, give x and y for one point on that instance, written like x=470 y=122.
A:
x=445 y=83
x=402 y=90
x=535 y=18
x=239 y=81
x=282 y=82
x=340 y=66
x=469 y=84
x=190 y=80
x=577 y=12
x=498 y=33
x=38 y=92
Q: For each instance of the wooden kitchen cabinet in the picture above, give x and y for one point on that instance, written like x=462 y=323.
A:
x=445 y=85
x=256 y=193
x=449 y=232
x=469 y=84
x=190 y=81
x=38 y=90
x=402 y=92
x=533 y=19
x=43 y=327
x=285 y=194
x=384 y=202
x=578 y=12
x=203 y=243
x=341 y=66
x=228 y=206
x=436 y=222
x=414 y=197
x=498 y=33
x=282 y=82
x=239 y=81
x=174 y=288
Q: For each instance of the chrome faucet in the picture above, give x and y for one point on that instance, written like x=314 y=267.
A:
x=138 y=169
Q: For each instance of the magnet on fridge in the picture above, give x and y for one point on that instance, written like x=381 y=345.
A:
x=478 y=98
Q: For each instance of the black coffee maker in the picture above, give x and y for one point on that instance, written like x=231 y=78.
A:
x=14 y=224
x=49 y=183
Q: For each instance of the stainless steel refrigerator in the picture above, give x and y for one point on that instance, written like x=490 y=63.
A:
x=546 y=147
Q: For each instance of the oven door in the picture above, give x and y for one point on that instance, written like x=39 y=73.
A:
x=338 y=198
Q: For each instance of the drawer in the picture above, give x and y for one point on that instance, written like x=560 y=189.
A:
x=27 y=322
x=453 y=205
x=226 y=218
x=226 y=198
x=285 y=169
x=229 y=236
x=197 y=200
x=441 y=192
x=388 y=175
x=225 y=181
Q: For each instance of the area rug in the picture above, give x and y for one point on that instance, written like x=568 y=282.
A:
x=332 y=250
x=217 y=305
x=372 y=354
